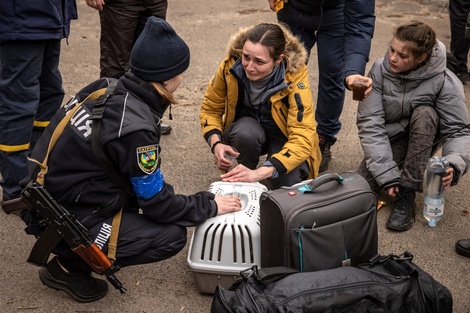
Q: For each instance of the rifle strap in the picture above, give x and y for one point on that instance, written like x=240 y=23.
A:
x=113 y=238
x=100 y=154
x=58 y=131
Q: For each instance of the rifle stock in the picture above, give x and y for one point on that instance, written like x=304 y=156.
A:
x=62 y=225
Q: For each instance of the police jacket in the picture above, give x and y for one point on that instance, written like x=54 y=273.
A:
x=387 y=111
x=130 y=137
x=36 y=20
x=292 y=107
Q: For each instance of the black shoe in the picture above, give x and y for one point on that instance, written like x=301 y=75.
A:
x=83 y=287
x=165 y=129
x=403 y=214
x=464 y=77
x=462 y=247
x=325 y=155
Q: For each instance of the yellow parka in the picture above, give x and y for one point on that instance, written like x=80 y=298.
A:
x=296 y=121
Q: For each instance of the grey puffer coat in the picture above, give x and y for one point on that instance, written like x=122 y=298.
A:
x=387 y=112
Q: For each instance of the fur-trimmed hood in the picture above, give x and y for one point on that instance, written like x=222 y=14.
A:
x=295 y=54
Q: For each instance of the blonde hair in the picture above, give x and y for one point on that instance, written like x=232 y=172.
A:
x=166 y=95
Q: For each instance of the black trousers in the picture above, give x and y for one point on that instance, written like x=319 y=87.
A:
x=459 y=46
x=140 y=241
x=122 y=21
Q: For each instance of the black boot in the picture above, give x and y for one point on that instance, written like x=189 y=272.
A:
x=462 y=247
x=403 y=214
x=325 y=154
x=82 y=286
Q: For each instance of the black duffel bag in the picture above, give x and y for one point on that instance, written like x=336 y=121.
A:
x=386 y=284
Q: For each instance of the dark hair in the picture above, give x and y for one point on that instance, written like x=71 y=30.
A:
x=419 y=38
x=269 y=35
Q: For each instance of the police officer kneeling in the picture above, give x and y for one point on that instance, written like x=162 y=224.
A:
x=154 y=218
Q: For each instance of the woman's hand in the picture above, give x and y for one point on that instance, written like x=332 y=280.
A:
x=227 y=204
x=242 y=173
x=447 y=180
x=220 y=161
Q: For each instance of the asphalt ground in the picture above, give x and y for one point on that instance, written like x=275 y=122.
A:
x=169 y=286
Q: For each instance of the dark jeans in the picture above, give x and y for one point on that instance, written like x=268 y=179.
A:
x=30 y=94
x=249 y=138
x=459 y=46
x=414 y=148
x=327 y=30
x=122 y=21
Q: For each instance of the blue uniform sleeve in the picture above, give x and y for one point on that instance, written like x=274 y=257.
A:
x=359 y=22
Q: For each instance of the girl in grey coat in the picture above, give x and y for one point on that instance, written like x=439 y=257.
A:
x=415 y=101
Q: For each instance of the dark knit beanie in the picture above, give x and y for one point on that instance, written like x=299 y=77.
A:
x=159 y=54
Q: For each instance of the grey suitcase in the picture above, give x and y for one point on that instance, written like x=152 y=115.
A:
x=319 y=224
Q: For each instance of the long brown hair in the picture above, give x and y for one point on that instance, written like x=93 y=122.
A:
x=419 y=37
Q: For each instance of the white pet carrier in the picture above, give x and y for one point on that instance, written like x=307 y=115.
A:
x=225 y=245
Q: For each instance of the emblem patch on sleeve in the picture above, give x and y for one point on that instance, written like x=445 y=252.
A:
x=147 y=158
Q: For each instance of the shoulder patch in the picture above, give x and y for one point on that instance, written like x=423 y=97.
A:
x=301 y=85
x=147 y=158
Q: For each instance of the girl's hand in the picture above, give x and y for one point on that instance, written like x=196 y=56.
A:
x=447 y=180
x=227 y=204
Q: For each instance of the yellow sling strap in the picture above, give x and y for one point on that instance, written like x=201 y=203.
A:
x=58 y=131
x=112 y=245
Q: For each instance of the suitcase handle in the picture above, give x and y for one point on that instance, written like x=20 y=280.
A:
x=323 y=179
x=307 y=186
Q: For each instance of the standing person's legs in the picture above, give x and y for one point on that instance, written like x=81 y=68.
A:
x=51 y=90
x=119 y=20
x=459 y=46
x=156 y=8
x=122 y=21
x=330 y=47
x=20 y=69
x=327 y=28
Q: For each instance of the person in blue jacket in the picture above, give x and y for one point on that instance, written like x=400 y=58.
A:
x=342 y=30
x=30 y=81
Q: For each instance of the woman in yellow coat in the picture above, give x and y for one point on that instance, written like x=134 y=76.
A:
x=260 y=102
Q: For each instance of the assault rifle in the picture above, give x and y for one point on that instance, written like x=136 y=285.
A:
x=62 y=225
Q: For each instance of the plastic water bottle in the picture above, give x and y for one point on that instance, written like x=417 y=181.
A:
x=434 y=199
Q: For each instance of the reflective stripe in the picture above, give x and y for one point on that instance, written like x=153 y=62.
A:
x=8 y=148
x=40 y=124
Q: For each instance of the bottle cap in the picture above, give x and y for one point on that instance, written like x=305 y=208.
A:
x=432 y=223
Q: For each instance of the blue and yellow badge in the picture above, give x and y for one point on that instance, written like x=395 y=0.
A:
x=147 y=158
